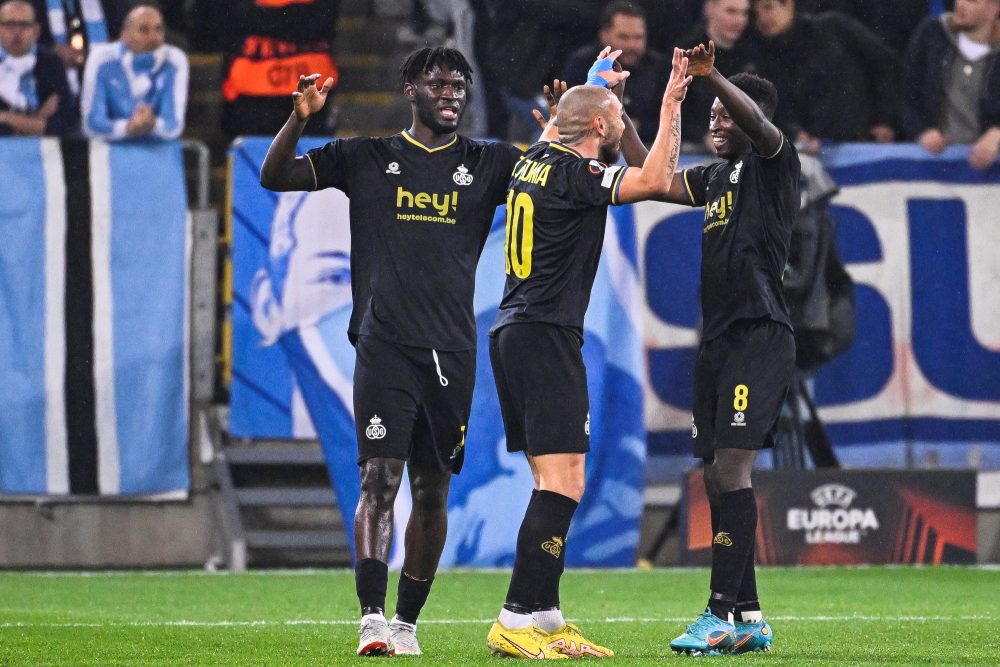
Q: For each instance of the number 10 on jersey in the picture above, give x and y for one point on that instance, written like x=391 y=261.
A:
x=520 y=233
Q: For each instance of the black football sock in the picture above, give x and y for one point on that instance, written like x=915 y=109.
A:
x=714 y=511
x=730 y=547
x=411 y=596
x=541 y=551
x=371 y=578
x=747 y=604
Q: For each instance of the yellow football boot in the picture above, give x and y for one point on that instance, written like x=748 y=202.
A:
x=529 y=643
x=569 y=641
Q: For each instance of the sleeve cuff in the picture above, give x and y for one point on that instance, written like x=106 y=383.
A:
x=312 y=167
x=119 y=129
x=687 y=187
x=617 y=185
x=780 y=146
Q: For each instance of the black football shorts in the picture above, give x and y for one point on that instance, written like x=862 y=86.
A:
x=412 y=403
x=741 y=379
x=542 y=387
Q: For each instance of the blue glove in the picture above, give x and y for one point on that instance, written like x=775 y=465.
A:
x=602 y=65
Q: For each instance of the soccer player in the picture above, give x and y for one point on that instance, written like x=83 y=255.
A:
x=747 y=354
x=421 y=206
x=557 y=208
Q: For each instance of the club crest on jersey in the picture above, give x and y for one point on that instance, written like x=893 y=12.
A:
x=393 y=168
x=735 y=176
x=739 y=419
x=462 y=175
x=375 y=430
x=553 y=546
x=596 y=167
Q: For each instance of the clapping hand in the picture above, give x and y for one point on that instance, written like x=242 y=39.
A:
x=616 y=76
x=701 y=59
x=680 y=77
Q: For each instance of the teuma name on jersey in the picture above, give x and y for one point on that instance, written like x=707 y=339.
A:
x=531 y=171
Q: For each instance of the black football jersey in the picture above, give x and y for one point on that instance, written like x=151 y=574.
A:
x=419 y=220
x=557 y=207
x=750 y=207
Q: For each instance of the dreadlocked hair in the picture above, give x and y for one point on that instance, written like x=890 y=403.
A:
x=759 y=89
x=423 y=60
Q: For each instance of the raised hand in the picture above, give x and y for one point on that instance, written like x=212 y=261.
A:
x=701 y=59
x=680 y=79
x=552 y=96
x=308 y=99
x=616 y=76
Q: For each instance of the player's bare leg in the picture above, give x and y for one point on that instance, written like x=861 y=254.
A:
x=425 y=536
x=380 y=480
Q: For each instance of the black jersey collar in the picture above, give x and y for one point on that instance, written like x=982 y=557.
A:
x=564 y=147
x=406 y=135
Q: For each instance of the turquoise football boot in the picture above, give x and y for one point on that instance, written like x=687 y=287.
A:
x=752 y=637
x=708 y=635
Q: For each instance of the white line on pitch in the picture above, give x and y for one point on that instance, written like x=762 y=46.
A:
x=480 y=621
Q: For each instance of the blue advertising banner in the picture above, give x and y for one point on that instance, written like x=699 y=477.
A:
x=293 y=364
x=93 y=318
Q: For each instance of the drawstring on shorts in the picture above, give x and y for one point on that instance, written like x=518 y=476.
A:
x=437 y=366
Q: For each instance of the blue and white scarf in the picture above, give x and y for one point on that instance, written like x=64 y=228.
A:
x=17 y=81
x=92 y=15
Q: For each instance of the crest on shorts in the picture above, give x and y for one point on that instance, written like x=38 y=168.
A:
x=694 y=429
x=586 y=425
x=375 y=430
x=739 y=419
x=553 y=546
x=462 y=175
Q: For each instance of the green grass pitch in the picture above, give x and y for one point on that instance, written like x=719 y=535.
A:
x=822 y=616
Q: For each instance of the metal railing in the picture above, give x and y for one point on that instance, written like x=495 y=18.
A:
x=202 y=157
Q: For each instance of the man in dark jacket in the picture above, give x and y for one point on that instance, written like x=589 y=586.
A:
x=527 y=42
x=623 y=27
x=34 y=94
x=835 y=77
x=725 y=23
x=951 y=81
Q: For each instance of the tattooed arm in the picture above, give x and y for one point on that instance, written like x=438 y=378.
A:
x=653 y=179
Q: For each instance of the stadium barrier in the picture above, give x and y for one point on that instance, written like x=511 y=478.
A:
x=108 y=293
x=917 y=234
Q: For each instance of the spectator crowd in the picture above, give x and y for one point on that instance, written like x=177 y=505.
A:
x=133 y=87
x=923 y=71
